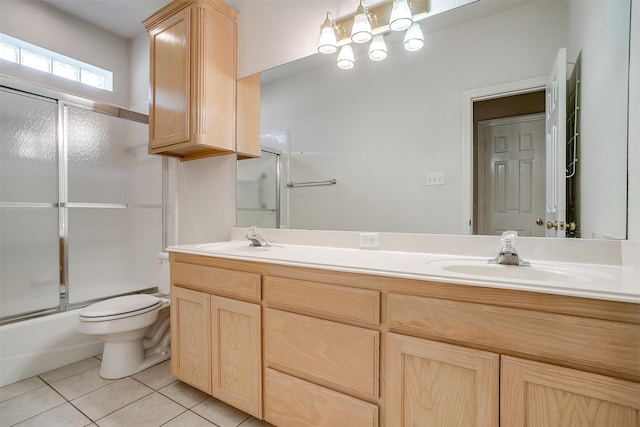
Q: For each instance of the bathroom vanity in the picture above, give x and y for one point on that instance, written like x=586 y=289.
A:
x=312 y=336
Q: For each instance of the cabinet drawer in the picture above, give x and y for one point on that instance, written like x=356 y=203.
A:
x=357 y=305
x=328 y=353
x=238 y=284
x=292 y=402
x=581 y=341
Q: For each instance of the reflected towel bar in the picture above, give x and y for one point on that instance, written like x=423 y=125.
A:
x=311 y=183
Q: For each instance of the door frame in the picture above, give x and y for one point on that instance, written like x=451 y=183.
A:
x=468 y=98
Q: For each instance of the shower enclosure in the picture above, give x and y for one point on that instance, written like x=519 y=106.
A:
x=81 y=211
x=259 y=189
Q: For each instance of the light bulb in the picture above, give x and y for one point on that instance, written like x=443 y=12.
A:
x=328 y=42
x=413 y=38
x=346 y=61
x=361 y=30
x=400 y=18
x=378 y=48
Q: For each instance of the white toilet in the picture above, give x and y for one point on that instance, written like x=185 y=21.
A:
x=135 y=330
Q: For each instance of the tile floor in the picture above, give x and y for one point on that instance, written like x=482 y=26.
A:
x=75 y=395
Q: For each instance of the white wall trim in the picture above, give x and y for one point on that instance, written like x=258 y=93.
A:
x=468 y=98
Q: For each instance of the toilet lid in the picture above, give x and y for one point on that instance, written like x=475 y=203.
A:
x=127 y=304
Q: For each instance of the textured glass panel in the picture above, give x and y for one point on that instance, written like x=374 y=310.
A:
x=28 y=149
x=29 y=261
x=67 y=71
x=92 y=79
x=35 y=60
x=112 y=251
x=104 y=155
x=8 y=52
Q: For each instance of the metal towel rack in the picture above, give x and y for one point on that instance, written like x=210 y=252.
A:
x=311 y=183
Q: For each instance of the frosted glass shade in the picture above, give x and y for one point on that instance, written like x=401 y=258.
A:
x=378 y=48
x=361 y=31
x=400 y=18
x=346 y=61
x=413 y=38
x=328 y=42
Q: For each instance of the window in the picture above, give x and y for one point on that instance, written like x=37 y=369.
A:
x=29 y=55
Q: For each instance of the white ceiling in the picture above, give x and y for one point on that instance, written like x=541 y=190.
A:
x=121 y=17
x=124 y=17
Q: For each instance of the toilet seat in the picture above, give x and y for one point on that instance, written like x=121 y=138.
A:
x=120 y=307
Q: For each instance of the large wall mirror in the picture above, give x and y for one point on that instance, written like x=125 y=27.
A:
x=395 y=135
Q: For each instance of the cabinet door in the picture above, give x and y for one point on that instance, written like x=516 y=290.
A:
x=538 y=395
x=169 y=106
x=435 y=384
x=237 y=355
x=191 y=337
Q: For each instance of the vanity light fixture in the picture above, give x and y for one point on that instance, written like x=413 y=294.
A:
x=346 y=61
x=328 y=41
x=401 y=18
x=378 y=48
x=373 y=25
x=361 y=30
x=413 y=38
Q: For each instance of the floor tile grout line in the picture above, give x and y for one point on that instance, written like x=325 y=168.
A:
x=122 y=407
x=76 y=373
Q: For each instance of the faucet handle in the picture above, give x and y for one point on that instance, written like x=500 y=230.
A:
x=508 y=237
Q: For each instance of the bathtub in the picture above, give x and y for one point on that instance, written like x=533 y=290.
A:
x=39 y=345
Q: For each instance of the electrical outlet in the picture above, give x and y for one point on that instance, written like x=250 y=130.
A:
x=435 y=178
x=369 y=240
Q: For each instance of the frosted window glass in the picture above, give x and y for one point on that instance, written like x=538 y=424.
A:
x=92 y=79
x=67 y=71
x=9 y=53
x=34 y=60
x=28 y=149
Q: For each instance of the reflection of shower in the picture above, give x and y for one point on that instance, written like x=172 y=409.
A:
x=261 y=191
x=258 y=191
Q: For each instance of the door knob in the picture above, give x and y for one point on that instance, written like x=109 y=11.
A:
x=540 y=221
x=555 y=225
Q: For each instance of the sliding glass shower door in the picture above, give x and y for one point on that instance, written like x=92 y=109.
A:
x=80 y=205
x=29 y=234
x=114 y=205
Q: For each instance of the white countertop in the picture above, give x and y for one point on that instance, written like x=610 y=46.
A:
x=594 y=281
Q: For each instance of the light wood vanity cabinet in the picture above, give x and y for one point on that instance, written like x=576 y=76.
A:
x=368 y=350
x=217 y=340
x=320 y=370
x=192 y=79
x=435 y=384
x=539 y=394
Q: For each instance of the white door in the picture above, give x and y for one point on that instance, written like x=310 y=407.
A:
x=556 y=146
x=511 y=175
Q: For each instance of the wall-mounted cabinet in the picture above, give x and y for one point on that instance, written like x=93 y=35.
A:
x=248 y=117
x=192 y=79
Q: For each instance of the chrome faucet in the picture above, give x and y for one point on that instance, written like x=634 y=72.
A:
x=255 y=238
x=508 y=254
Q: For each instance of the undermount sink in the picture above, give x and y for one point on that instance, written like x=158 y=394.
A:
x=538 y=272
x=233 y=247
